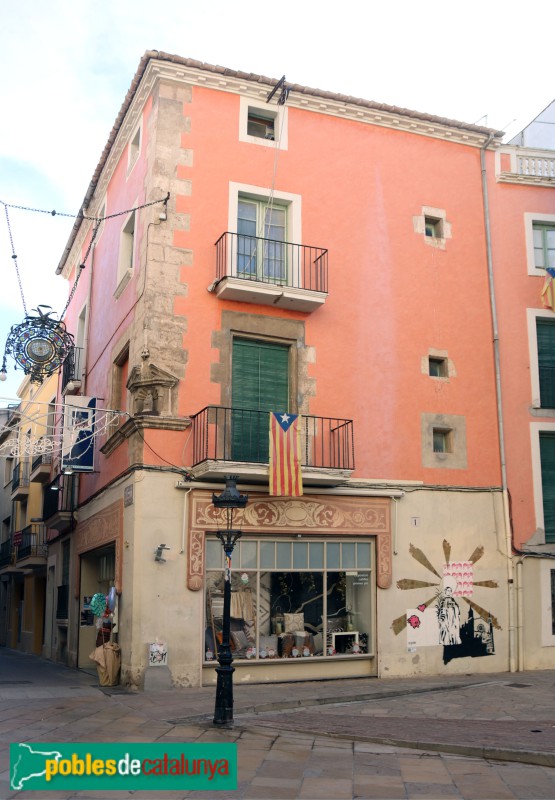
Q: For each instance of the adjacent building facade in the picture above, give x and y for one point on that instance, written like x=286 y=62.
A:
x=249 y=251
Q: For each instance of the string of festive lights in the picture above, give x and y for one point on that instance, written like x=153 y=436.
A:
x=41 y=344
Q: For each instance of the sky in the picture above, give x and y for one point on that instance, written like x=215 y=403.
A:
x=67 y=66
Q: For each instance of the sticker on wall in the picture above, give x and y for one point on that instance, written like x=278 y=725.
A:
x=438 y=620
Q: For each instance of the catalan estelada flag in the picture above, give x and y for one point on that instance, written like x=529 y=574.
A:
x=286 y=478
x=548 y=291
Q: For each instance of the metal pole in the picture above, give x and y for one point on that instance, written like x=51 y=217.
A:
x=223 y=713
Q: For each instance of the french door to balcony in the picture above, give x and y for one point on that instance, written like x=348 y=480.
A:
x=260 y=384
x=261 y=249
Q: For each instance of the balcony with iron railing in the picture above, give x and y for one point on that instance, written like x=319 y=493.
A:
x=32 y=546
x=225 y=438
x=42 y=462
x=8 y=554
x=72 y=371
x=20 y=480
x=58 y=506
x=253 y=269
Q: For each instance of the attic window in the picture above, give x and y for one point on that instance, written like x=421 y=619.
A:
x=260 y=126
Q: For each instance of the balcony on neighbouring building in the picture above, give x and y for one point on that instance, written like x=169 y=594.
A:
x=268 y=272
x=72 y=371
x=235 y=439
x=41 y=464
x=8 y=555
x=526 y=165
x=62 y=602
x=20 y=480
x=32 y=547
x=58 y=506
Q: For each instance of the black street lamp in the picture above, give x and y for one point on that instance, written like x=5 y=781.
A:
x=230 y=500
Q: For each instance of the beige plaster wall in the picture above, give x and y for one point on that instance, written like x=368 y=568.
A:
x=535 y=626
x=422 y=521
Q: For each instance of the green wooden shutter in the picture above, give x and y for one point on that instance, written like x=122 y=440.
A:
x=547 y=455
x=545 y=331
x=260 y=382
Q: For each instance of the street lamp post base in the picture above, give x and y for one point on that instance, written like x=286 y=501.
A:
x=223 y=714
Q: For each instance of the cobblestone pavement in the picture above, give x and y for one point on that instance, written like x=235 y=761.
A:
x=367 y=738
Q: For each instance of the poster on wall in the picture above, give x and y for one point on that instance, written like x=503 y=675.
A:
x=440 y=619
x=78 y=434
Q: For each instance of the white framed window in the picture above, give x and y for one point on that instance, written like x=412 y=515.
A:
x=542 y=374
x=126 y=253
x=134 y=150
x=540 y=242
x=260 y=220
x=261 y=240
x=263 y=123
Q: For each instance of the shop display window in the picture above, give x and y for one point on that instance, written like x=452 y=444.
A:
x=291 y=598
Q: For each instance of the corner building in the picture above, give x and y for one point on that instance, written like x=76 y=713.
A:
x=319 y=255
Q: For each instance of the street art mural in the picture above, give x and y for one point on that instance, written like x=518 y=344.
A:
x=438 y=621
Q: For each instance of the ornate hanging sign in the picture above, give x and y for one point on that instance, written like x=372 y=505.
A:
x=39 y=345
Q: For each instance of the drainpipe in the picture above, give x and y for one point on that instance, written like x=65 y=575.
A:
x=520 y=613
x=502 y=458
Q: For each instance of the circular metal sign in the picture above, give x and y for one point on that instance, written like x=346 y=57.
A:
x=39 y=345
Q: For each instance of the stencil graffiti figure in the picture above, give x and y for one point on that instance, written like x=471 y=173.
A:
x=448 y=614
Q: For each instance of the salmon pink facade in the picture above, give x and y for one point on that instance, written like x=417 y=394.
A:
x=522 y=208
x=315 y=255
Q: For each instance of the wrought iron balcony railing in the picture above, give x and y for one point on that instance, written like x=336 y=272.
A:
x=7 y=553
x=235 y=434
x=40 y=460
x=72 y=369
x=58 y=497
x=252 y=258
x=20 y=475
x=32 y=541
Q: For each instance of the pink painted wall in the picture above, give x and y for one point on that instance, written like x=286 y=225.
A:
x=515 y=292
x=391 y=296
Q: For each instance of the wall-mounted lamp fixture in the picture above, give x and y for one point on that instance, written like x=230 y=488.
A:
x=158 y=553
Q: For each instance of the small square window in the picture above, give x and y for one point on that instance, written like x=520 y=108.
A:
x=433 y=227
x=442 y=440
x=437 y=367
x=260 y=126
